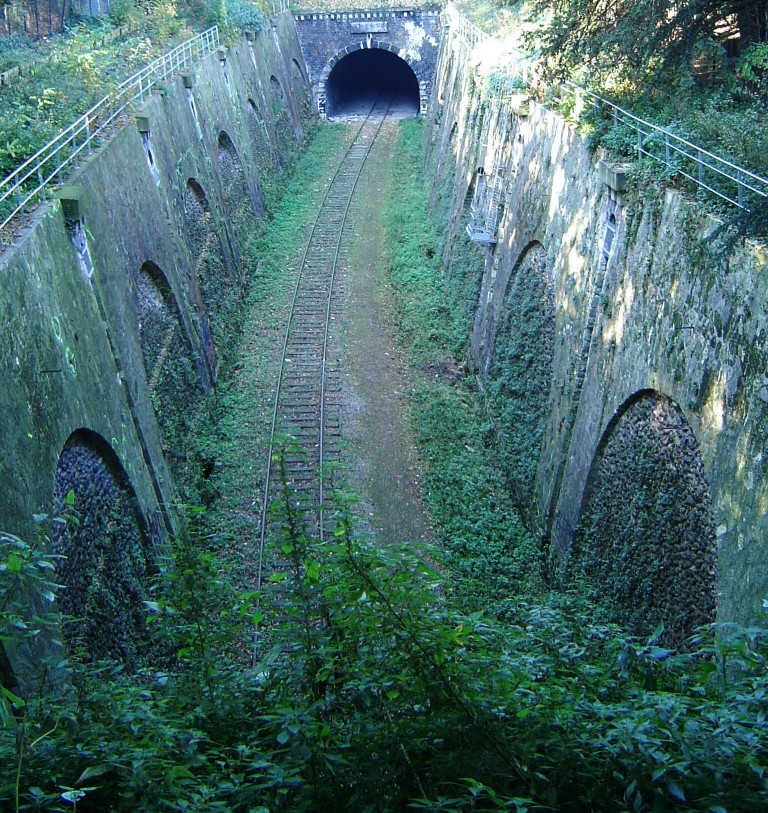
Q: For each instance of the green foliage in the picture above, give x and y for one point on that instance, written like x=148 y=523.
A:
x=425 y=319
x=27 y=591
x=645 y=38
x=28 y=627
x=244 y=15
x=16 y=49
x=753 y=66
x=122 y=12
x=78 y=73
x=668 y=63
x=371 y=692
x=231 y=15
x=489 y=550
x=487 y=546
x=519 y=377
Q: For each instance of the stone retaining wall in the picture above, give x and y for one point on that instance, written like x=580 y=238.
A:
x=645 y=300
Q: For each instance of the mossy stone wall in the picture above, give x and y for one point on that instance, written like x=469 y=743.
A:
x=661 y=308
x=73 y=357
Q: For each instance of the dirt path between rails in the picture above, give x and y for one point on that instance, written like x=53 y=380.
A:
x=385 y=470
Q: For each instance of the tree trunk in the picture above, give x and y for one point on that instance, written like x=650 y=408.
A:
x=752 y=23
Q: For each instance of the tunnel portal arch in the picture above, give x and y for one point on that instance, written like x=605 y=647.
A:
x=359 y=72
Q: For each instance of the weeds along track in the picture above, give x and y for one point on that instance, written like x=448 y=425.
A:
x=305 y=436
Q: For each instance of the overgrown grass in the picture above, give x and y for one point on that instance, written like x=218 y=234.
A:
x=487 y=546
x=233 y=434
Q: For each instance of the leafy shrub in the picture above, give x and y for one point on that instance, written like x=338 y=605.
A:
x=753 y=66
x=122 y=12
x=244 y=15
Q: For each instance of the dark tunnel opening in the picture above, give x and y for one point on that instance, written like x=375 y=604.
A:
x=360 y=78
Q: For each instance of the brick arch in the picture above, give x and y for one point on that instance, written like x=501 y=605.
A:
x=366 y=45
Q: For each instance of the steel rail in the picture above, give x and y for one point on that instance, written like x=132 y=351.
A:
x=281 y=371
x=322 y=209
x=328 y=320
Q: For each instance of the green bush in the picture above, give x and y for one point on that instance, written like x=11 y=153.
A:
x=369 y=691
x=122 y=12
x=753 y=66
x=244 y=15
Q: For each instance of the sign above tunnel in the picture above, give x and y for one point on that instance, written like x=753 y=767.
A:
x=368 y=27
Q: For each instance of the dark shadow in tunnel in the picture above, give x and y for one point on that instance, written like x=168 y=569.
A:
x=357 y=81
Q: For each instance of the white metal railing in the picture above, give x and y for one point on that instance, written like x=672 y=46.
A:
x=708 y=171
x=47 y=166
x=468 y=31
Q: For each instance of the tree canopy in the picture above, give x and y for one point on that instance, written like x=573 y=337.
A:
x=644 y=37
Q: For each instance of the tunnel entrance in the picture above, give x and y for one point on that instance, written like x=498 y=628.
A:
x=357 y=81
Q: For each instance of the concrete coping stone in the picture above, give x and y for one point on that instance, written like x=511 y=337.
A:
x=73 y=199
x=614 y=175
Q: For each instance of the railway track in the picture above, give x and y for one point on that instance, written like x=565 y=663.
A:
x=305 y=435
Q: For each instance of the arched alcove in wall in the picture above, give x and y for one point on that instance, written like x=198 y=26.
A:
x=301 y=96
x=107 y=560
x=519 y=371
x=205 y=246
x=281 y=118
x=646 y=539
x=261 y=143
x=297 y=71
x=199 y=219
x=237 y=186
x=278 y=97
x=168 y=357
